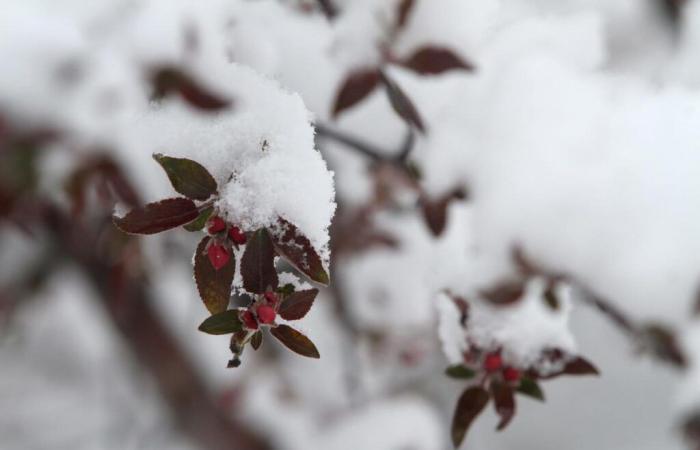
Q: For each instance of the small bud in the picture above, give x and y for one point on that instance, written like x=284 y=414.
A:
x=218 y=256
x=249 y=321
x=493 y=362
x=511 y=374
x=271 y=298
x=266 y=314
x=216 y=225
x=237 y=236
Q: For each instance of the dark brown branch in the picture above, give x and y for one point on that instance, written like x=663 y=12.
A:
x=128 y=303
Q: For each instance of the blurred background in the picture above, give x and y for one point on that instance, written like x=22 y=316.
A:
x=568 y=128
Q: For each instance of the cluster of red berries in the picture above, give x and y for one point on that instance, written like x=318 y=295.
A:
x=219 y=252
x=493 y=363
x=263 y=313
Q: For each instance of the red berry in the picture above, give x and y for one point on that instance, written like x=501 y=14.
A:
x=266 y=314
x=493 y=362
x=237 y=236
x=216 y=224
x=249 y=321
x=271 y=297
x=218 y=256
x=511 y=374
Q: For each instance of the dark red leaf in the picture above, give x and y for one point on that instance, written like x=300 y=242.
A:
x=435 y=60
x=469 y=406
x=297 y=304
x=295 y=341
x=435 y=211
x=156 y=217
x=664 y=345
x=298 y=251
x=258 y=263
x=575 y=366
x=357 y=86
x=550 y=296
x=403 y=11
x=188 y=177
x=222 y=323
x=167 y=80
x=214 y=286
x=401 y=103
x=505 y=293
x=504 y=402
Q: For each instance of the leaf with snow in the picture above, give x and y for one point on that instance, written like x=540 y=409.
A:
x=295 y=341
x=470 y=404
x=505 y=293
x=296 y=248
x=188 y=177
x=214 y=286
x=157 y=217
x=258 y=263
x=297 y=304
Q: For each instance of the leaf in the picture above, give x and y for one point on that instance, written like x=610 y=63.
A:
x=580 y=366
x=664 y=345
x=222 y=323
x=435 y=211
x=214 y=286
x=459 y=371
x=403 y=12
x=258 y=263
x=298 y=251
x=401 y=103
x=200 y=221
x=505 y=293
x=256 y=340
x=358 y=85
x=504 y=402
x=188 y=177
x=575 y=366
x=550 y=297
x=297 y=304
x=432 y=60
x=531 y=388
x=156 y=217
x=469 y=406
x=168 y=80
x=295 y=341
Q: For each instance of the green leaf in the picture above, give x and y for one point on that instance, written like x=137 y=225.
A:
x=287 y=289
x=295 y=341
x=504 y=402
x=222 y=323
x=256 y=340
x=200 y=221
x=297 y=304
x=214 y=286
x=531 y=388
x=188 y=177
x=258 y=263
x=470 y=404
x=156 y=217
x=296 y=248
x=459 y=371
